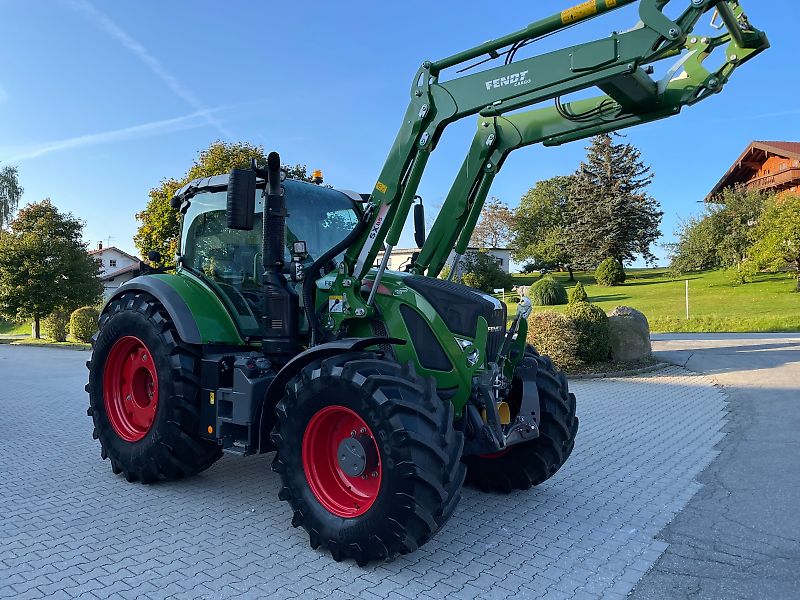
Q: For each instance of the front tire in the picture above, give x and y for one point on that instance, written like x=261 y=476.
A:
x=406 y=475
x=531 y=463
x=144 y=394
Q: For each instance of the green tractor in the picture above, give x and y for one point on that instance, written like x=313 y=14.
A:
x=378 y=391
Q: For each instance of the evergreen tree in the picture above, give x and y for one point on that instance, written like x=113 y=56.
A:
x=614 y=216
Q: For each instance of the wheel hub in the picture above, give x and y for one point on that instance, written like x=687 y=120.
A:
x=357 y=455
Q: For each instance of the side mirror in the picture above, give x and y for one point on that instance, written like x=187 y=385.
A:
x=154 y=256
x=241 y=199
x=419 y=224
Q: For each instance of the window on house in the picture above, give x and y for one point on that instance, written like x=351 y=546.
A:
x=500 y=261
x=112 y=263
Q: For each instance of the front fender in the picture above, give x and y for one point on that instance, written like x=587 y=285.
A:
x=277 y=388
x=294 y=366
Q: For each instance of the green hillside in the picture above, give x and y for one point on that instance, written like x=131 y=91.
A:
x=715 y=305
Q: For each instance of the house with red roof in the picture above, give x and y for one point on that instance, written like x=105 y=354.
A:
x=117 y=267
x=771 y=166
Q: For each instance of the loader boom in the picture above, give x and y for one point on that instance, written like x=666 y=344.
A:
x=616 y=64
x=687 y=83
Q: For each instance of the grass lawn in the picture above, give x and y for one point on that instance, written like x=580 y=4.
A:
x=19 y=334
x=9 y=328
x=715 y=305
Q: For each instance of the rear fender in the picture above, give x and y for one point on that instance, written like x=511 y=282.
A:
x=199 y=315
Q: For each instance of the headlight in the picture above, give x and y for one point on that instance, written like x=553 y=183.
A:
x=471 y=352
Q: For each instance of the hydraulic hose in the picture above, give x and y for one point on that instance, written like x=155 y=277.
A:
x=313 y=272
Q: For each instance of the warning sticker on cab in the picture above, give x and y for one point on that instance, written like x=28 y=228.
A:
x=335 y=304
x=381 y=187
x=576 y=13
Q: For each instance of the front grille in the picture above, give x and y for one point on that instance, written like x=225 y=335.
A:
x=460 y=306
x=497 y=331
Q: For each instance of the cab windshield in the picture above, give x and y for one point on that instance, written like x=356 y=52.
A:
x=231 y=259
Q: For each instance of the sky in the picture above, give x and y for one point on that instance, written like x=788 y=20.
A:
x=100 y=101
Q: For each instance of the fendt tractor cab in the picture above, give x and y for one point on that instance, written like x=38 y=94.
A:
x=379 y=391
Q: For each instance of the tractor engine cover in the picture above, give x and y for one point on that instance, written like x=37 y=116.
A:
x=460 y=306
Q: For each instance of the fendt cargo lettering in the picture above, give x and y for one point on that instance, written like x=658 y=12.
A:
x=380 y=392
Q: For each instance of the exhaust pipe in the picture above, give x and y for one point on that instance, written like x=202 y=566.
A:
x=281 y=304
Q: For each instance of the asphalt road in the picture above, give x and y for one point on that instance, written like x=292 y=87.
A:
x=739 y=536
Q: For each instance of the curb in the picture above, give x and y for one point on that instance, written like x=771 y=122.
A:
x=18 y=344
x=649 y=369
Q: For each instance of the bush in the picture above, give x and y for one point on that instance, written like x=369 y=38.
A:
x=83 y=323
x=55 y=325
x=610 y=272
x=547 y=292
x=556 y=336
x=594 y=343
x=578 y=294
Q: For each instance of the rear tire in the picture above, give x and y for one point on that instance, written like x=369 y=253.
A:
x=531 y=463
x=146 y=416
x=413 y=483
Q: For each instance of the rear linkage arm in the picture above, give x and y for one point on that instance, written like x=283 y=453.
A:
x=685 y=84
x=492 y=92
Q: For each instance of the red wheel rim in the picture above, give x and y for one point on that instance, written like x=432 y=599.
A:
x=130 y=388
x=341 y=494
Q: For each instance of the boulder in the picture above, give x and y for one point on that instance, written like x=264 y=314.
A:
x=630 y=334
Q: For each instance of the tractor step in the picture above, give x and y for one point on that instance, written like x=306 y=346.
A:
x=233 y=386
x=237 y=448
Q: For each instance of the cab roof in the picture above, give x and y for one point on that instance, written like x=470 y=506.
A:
x=217 y=183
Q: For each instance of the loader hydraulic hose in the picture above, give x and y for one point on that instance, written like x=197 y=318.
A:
x=313 y=273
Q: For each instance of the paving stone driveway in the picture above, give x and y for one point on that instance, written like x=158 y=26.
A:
x=70 y=528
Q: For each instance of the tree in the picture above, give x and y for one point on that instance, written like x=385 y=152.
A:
x=10 y=193
x=722 y=236
x=482 y=272
x=160 y=223
x=697 y=246
x=613 y=214
x=495 y=227
x=44 y=265
x=542 y=224
x=778 y=236
x=733 y=218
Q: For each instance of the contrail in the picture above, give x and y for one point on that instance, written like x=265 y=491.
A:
x=190 y=121
x=104 y=23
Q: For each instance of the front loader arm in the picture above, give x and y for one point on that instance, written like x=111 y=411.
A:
x=615 y=64
x=686 y=84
